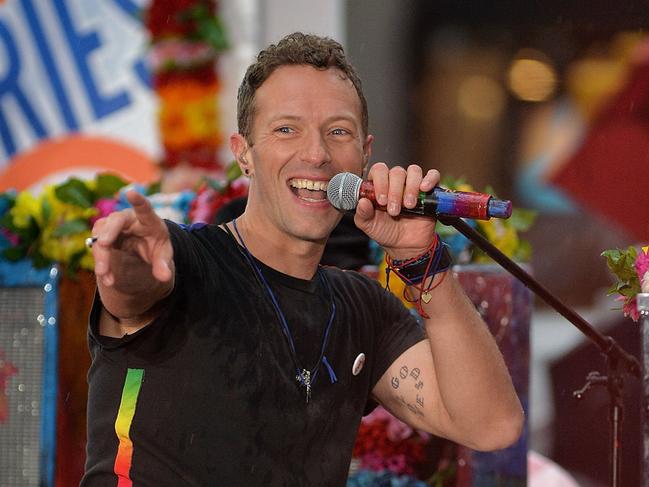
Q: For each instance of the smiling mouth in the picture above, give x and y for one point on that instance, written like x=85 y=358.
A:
x=309 y=190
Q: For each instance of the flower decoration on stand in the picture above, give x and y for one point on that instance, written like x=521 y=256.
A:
x=212 y=195
x=187 y=37
x=631 y=267
x=52 y=227
x=389 y=452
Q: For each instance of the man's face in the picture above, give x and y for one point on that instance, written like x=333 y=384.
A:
x=306 y=128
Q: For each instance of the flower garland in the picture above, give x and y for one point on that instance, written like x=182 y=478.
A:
x=186 y=39
x=52 y=226
x=631 y=267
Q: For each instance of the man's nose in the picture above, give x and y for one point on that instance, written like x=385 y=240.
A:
x=315 y=150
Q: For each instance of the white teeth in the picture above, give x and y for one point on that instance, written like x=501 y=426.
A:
x=309 y=184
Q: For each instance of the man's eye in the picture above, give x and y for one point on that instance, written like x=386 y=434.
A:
x=284 y=130
x=339 y=132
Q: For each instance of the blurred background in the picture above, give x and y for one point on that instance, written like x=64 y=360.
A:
x=543 y=103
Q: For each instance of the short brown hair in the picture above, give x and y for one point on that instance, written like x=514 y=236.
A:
x=296 y=48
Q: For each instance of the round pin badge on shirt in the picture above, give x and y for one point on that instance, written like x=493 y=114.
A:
x=358 y=364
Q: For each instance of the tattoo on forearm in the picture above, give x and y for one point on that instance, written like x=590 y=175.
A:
x=395 y=382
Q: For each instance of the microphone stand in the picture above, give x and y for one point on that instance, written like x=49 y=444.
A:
x=618 y=361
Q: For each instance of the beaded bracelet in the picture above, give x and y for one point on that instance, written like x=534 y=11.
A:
x=415 y=272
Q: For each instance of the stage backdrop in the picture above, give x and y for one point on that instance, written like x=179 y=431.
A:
x=75 y=89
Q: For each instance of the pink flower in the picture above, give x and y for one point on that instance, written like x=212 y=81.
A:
x=12 y=238
x=105 y=206
x=630 y=308
x=397 y=430
x=642 y=262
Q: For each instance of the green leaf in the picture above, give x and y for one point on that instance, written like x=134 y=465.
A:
x=233 y=171
x=212 y=32
x=154 y=188
x=523 y=252
x=71 y=227
x=72 y=266
x=209 y=28
x=39 y=260
x=75 y=192
x=445 y=231
x=621 y=262
x=522 y=219
x=33 y=231
x=108 y=185
x=6 y=221
x=452 y=183
x=46 y=209
x=14 y=254
x=628 y=291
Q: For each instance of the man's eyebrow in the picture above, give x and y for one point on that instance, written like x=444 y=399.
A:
x=348 y=117
x=282 y=116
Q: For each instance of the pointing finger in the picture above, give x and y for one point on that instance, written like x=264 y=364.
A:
x=143 y=210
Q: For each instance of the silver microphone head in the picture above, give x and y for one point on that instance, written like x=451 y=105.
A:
x=343 y=190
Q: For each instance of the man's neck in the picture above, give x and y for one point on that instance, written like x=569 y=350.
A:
x=289 y=255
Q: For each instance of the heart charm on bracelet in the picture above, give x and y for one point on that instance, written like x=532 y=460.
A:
x=426 y=297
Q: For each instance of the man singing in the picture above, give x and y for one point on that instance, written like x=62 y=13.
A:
x=226 y=355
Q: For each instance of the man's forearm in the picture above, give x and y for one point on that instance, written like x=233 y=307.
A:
x=474 y=383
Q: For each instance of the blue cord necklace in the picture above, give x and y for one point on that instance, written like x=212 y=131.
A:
x=304 y=376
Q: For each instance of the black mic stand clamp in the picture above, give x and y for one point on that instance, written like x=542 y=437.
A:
x=618 y=361
x=614 y=383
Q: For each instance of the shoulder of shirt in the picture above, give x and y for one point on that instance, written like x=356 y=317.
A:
x=201 y=234
x=198 y=228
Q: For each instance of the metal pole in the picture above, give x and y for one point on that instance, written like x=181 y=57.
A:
x=643 y=309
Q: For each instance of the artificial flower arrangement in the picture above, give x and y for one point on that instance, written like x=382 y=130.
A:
x=631 y=267
x=388 y=452
x=503 y=233
x=187 y=37
x=51 y=227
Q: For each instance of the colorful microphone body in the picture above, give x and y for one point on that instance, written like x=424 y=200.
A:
x=345 y=189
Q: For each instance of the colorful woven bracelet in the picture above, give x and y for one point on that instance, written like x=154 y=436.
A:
x=414 y=271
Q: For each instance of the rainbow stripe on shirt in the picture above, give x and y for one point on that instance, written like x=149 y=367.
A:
x=124 y=458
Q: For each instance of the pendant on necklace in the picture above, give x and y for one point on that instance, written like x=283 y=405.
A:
x=304 y=378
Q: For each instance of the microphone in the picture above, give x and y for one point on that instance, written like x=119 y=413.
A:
x=345 y=189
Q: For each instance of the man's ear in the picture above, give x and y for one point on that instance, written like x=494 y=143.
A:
x=239 y=147
x=367 y=152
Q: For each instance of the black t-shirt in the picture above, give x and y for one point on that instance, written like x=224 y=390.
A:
x=207 y=393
